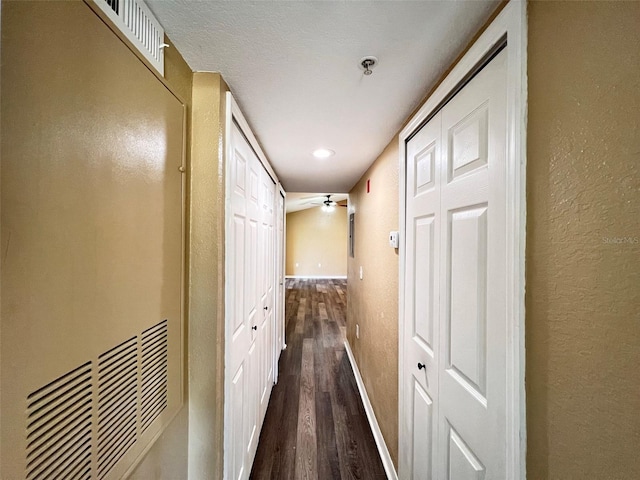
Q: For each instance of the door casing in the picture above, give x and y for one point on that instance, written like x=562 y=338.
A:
x=512 y=23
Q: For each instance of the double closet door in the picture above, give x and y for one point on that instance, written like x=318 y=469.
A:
x=250 y=297
x=454 y=338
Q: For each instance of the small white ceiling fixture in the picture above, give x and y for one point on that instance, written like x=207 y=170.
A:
x=368 y=64
x=323 y=153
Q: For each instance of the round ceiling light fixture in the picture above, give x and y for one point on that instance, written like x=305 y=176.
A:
x=368 y=63
x=323 y=153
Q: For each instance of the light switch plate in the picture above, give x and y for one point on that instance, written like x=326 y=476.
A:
x=394 y=240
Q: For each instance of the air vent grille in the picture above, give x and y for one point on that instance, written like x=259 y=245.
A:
x=114 y=4
x=154 y=373
x=59 y=427
x=134 y=19
x=117 y=403
x=85 y=423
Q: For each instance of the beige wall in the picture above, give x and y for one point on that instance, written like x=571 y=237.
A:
x=372 y=302
x=69 y=88
x=200 y=427
x=206 y=277
x=168 y=457
x=317 y=243
x=583 y=229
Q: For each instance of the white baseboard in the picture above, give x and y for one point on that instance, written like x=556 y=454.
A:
x=316 y=276
x=373 y=422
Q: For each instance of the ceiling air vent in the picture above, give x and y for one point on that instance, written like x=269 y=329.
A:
x=59 y=427
x=134 y=19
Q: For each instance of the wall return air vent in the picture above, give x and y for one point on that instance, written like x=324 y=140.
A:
x=80 y=425
x=134 y=19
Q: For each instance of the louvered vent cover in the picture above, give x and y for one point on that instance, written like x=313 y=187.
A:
x=154 y=373
x=114 y=4
x=134 y=19
x=127 y=392
x=59 y=427
x=117 y=403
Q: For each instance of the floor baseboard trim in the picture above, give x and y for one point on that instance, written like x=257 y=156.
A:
x=341 y=277
x=373 y=421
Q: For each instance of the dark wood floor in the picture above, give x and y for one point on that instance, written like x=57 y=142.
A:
x=315 y=426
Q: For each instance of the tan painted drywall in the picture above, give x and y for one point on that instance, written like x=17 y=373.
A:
x=372 y=302
x=317 y=242
x=583 y=229
x=168 y=457
x=91 y=146
x=206 y=277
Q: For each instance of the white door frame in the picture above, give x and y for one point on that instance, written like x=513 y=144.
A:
x=282 y=266
x=512 y=23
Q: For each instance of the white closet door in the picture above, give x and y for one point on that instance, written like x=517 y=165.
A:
x=267 y=290
x=455 y=281
x=421 y=326
x=246 y=251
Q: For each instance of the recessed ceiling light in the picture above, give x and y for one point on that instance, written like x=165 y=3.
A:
x=323 y=153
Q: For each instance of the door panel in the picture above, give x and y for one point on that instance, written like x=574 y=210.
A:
x=466 y=323
x=250 y=283
x=423 y=318
x=421 y=328
x=472 y=377
x=422 y=431
x=455 y=326
x=237 y=396
x=462 y=463
x=245 y=252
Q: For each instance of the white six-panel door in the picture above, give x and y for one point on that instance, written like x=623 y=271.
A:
x=455 y=336
x=250 y=278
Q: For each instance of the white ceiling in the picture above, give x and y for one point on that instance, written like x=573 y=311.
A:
x=293 y=67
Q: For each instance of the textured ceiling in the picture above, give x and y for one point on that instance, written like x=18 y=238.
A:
x=293 y=67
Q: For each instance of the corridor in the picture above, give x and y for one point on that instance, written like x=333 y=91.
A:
x=316 y=426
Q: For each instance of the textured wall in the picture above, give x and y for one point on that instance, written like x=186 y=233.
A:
x=168 y=456
x=317 y=243
x=206 y=277
x=103 y=214
x=372 y=302
x=583 y=229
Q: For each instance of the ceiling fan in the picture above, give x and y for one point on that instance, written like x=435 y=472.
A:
x=329 y=205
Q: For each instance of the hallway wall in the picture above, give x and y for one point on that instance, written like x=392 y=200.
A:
x=372 y=303
x=206 y=278
x=168 y=457
x=316 y=243
x=96 y=192
x=583 y=234
x=198 y=428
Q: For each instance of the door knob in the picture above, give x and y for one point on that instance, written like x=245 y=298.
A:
x=421 y=366
x=266 y=308
x=255 y=327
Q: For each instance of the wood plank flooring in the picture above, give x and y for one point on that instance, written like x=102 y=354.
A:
x=315 y=426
